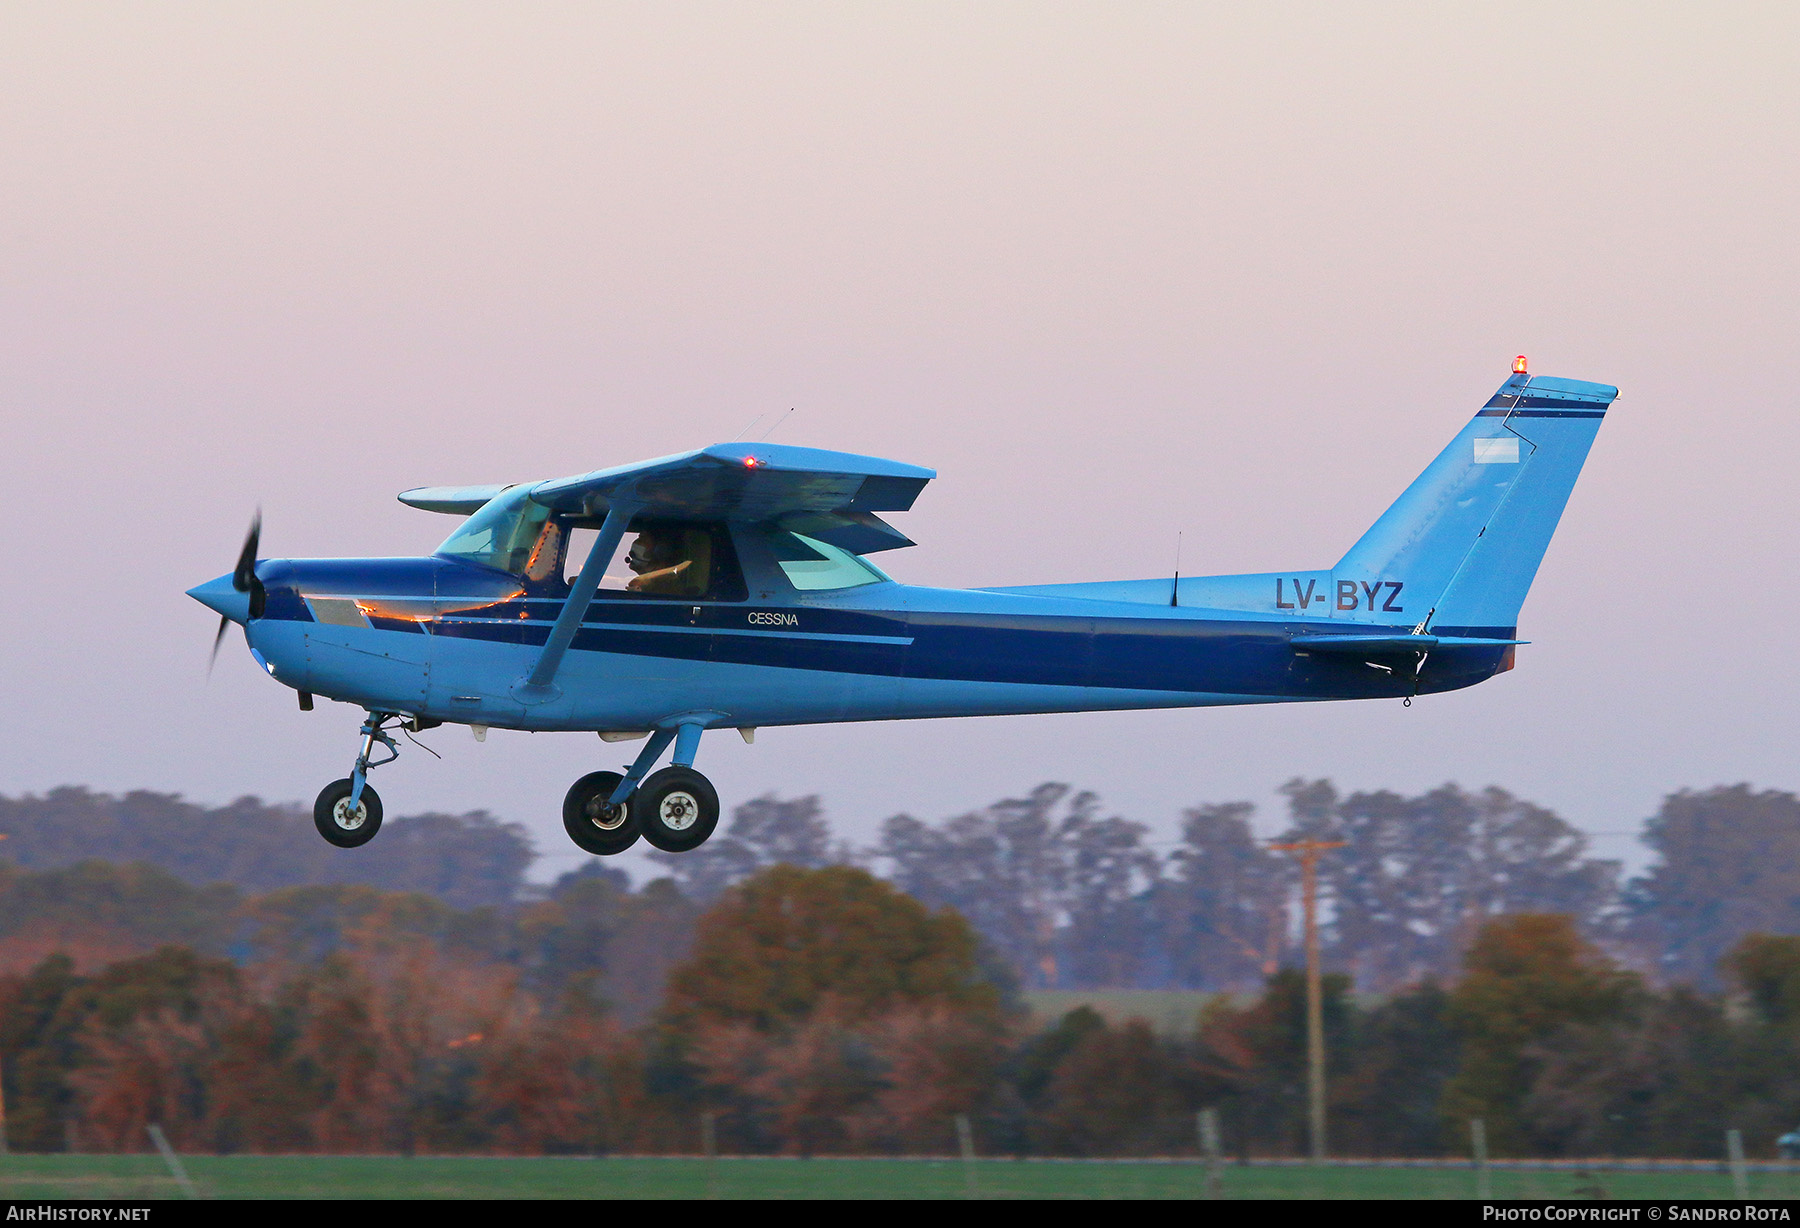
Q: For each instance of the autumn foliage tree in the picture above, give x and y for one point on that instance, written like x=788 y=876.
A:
x=784 y=944
x=1527 y=979
x=1253 y=1056
x=827 y=1010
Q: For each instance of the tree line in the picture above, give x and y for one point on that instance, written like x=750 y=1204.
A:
x=815 y=1011
x=1070 y=896
x=1073 y=897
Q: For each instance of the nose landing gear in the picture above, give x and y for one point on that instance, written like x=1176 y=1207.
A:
x=348 y=811
x=345 y=823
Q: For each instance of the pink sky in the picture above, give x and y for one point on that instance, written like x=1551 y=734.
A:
x=1115 y=271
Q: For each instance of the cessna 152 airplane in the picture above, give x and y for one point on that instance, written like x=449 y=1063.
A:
x=752 y=603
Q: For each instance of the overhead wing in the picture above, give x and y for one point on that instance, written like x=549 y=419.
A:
x=833 y=496
x=457 y=500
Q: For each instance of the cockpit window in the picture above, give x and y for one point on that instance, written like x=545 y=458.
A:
x=670 y=561
x=506 y=534
x=814 y=566
x=673 y=560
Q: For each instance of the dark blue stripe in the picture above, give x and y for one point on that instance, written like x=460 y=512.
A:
x=1170 y=655
x=722 y=616
x=1478 y=633
x=1541 y=407
x=1542 y=413
x=1152 y=655
x=518 y=632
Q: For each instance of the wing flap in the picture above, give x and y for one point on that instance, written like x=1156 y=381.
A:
x=857 y=532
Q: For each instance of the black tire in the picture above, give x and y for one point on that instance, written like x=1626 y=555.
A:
x=676 y=809
x=331 y=815
x=594 y=826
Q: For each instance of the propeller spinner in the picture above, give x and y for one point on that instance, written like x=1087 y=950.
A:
x=243 y=580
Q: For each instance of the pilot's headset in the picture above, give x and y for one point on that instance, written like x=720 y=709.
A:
x=647 y=551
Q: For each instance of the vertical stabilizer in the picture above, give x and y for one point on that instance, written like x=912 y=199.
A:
x=1466 y=538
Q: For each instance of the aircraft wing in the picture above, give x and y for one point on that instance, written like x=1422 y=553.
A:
x=833 y=496
x=456 y=500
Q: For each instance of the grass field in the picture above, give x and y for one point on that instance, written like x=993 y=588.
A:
x=144 y=1176
x=1169 y=1012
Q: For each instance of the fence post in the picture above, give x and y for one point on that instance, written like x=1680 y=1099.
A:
x=709 y=1143
x=172 y=1160
x=1209 y=1147
x=1484 y=1182
x=1740 y=1175
x=965 y=1141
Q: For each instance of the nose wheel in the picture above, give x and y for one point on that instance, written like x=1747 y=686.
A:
x=343 y=822
x=348 y=811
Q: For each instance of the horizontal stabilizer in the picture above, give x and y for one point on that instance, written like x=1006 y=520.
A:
x=1396 y=643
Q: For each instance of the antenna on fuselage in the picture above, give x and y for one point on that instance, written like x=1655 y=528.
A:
x=750 y=426
x=1175 y=588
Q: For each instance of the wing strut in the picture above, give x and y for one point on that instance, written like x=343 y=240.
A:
x=618 y=516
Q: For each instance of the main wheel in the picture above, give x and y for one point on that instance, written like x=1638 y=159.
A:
x=594 y=824
x=341 y=825
x=676 y=808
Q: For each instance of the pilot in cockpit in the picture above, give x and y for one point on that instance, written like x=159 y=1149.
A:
x=666 y=564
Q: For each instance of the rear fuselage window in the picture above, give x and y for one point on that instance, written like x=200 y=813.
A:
x=814 y=566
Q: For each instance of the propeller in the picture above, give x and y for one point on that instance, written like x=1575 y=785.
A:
x=243 y=579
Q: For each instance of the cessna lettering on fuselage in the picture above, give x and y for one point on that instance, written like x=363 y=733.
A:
x=502 y=627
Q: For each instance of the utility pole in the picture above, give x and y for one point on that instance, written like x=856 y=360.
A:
x=1309 y=851
x=1209 y=1147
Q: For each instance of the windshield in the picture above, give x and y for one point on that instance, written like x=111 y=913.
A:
x=503 y=534
x=812 y=565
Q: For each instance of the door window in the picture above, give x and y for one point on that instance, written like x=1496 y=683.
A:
x=693 y=562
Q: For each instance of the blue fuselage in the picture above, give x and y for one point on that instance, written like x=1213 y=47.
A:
x=451 y=641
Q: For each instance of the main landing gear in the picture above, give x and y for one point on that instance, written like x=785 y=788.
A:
x=675 y=809
x=348 y=812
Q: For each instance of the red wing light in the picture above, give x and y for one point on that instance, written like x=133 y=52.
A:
x=750 y=462
x=1519 y=365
